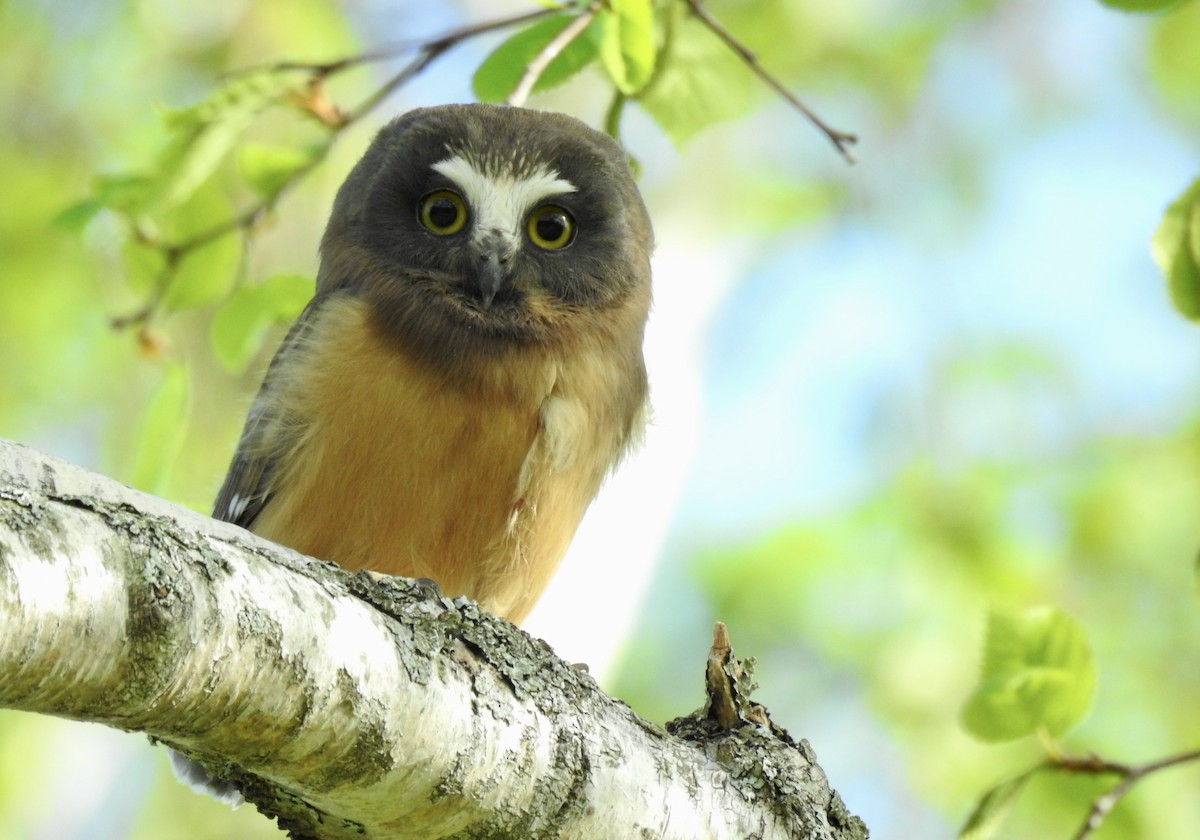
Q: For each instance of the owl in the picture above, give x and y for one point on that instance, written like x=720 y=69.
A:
x=470 y=368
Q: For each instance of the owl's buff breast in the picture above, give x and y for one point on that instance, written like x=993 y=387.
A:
x=479 y=488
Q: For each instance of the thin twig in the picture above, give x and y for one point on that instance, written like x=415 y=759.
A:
x=841 y=140
x=535 y=68
x=432 y=49
x=172 y=255
x=390 y=51
x=174 y=252
x=336 y=122
x=1130 y=776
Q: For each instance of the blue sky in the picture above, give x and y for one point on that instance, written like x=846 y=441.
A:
x=827 y=325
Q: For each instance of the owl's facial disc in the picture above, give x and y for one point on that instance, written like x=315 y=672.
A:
x=499 y=205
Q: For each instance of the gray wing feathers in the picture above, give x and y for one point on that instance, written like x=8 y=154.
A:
x=247 y=486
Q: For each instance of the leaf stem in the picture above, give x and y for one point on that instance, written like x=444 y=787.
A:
x=612 y=115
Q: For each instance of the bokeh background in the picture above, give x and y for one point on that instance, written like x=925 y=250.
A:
x=887 y=397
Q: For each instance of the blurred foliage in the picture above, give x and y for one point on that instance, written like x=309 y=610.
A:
x=886 y=601
x=1142 y=5
x=1175 y=61
x=1038 y=676
x=128 y=132
x=1176 y=249
x=500 y=72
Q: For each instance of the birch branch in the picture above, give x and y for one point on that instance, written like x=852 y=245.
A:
x=346 y=708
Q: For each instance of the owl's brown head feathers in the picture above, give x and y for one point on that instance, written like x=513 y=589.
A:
x=482 y=228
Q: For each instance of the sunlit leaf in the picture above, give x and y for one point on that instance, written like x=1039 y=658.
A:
x=202 y=135
x=202 y=275
x=1142 y=5
x=206 y=274
x=501 y=72
x=992 y=809
x=76 y=217
x=1174 y=59
x=199 y=138
x=1038 y=675
x=701 y=83
x=1196 y=573
x=143 y=266
x=123 y=192
x=267 y=169
x=1194 y=225
x=1176 y=249
x=241 y=324
x=163 y=426
x=627 y=47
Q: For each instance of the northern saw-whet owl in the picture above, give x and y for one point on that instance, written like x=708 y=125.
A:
x=470 y=368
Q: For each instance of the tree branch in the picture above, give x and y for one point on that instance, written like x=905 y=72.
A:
x=841 y=140
x=1129 y=775
x=347 y=708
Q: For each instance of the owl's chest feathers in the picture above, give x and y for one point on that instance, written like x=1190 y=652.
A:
x=479 y=488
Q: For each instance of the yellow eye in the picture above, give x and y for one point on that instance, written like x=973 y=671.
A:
x=443 y=212
x=551 y=227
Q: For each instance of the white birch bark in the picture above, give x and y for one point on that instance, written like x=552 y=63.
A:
x=348 y=708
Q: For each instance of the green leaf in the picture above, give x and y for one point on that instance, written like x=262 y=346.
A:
x=268 y=169
x=1194 y=225
x=123 y=193
x=144 y=266
x=1038 y=675
x=241 y=324
x=202 y=275
x=1175 y=247
x=992 y=809
x=1141 y=5
x=700 y=83
x=199 y=139
x=500 y=73
x=1174 y=61
x=164 y=424
x=627 y=48
x=76 y=217
x=202 y=135
x=1196 y=574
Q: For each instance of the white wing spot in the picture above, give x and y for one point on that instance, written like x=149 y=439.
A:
x=237 y=506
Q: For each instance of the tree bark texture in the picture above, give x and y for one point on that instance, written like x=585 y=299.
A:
x=350 y=708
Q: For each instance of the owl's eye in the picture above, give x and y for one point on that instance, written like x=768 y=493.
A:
x=443 y=212
x=551 y=227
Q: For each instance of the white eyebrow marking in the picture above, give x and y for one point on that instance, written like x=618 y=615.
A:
x=501 y=202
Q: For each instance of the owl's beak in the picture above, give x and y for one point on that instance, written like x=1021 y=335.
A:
x=493 y=270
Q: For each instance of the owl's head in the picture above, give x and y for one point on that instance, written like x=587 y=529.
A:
x=499 y=224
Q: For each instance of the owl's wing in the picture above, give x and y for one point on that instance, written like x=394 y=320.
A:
x=246 y=489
